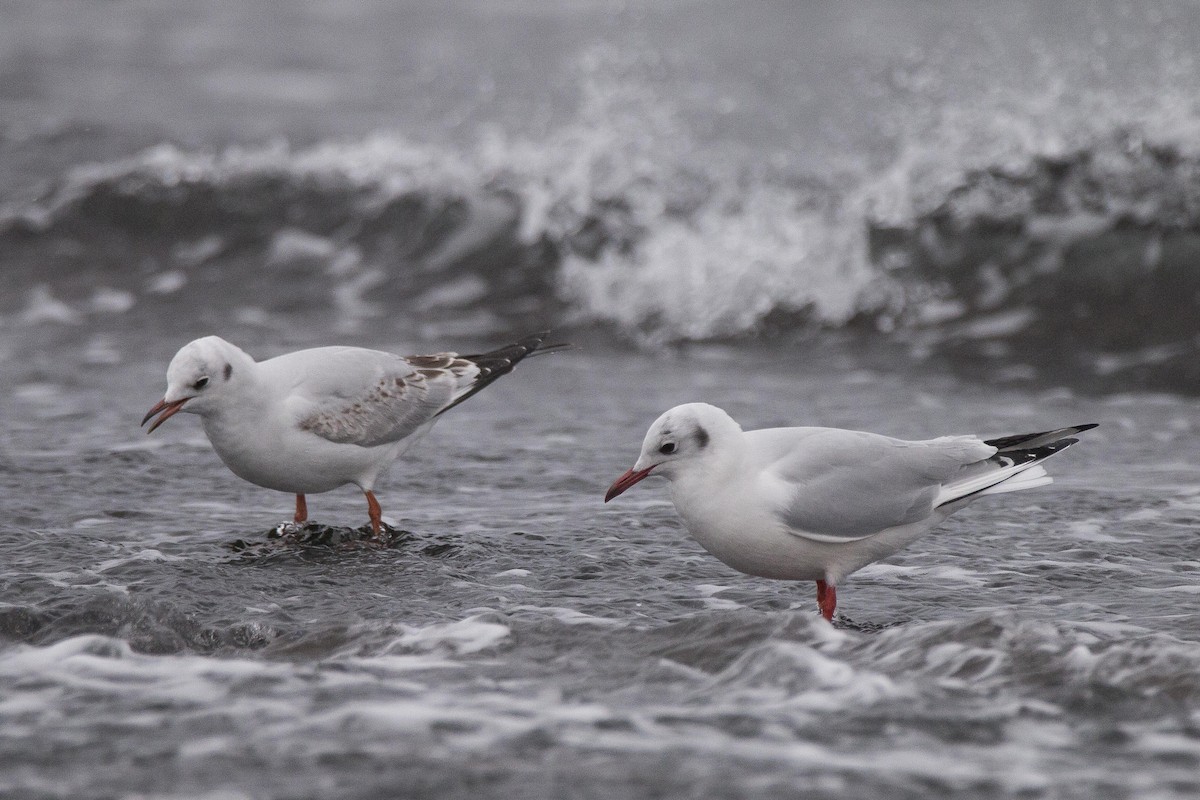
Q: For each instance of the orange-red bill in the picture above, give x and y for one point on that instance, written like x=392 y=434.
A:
x=167 y=410
x=625 y=481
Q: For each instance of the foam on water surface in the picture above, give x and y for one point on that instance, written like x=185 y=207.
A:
x=901 y=219
x=623 y=213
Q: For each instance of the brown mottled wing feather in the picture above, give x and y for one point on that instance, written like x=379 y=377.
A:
x=396 y=405
x=371 y=398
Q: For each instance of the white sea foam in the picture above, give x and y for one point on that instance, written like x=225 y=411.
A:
x=194 y=253
x=167 y=282
x=101 y=350
x=148 y=554
x=468 y=635
x=106 y=300
x=692 y=244
x=709 y=592
x=570 y=616
x=1091 y=530
x=350 y=297
x=945 y=573
x=40 y=393
x=291 y=247
x=42 y=306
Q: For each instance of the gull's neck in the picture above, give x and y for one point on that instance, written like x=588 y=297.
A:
x=244 y=404
x=714 y=475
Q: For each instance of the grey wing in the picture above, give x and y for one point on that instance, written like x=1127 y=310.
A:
x=847 y=485
x=405 y=396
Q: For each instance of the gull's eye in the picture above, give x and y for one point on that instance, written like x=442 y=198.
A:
x=200 y=384
x=667 y=448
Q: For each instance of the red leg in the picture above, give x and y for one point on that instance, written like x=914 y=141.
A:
x=375 y=512
x=826 y=599
x=301 y=510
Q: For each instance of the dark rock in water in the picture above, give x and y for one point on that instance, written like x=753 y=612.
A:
x=314 y=535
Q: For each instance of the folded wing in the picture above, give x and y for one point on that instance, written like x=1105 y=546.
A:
x=389 y=399
x=371 y=398
x=841 y=486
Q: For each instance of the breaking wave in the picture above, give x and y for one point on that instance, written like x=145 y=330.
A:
x=1048 y=258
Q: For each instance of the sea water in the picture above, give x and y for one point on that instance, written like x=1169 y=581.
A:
x=904 y=218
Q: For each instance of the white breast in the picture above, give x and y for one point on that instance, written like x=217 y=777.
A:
x=736 y=521
x=276 y=456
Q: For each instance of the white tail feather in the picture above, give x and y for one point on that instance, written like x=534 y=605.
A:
x=1012 y=478
x=1029 y=479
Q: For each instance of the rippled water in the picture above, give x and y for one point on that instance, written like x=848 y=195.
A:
x=524 y=638
x=904 y=218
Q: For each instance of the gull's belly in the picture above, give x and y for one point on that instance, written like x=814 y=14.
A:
x=757 y=545
x=298 y=462
x=747 y=536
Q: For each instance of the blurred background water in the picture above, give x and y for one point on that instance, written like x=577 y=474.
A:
x=909 y=217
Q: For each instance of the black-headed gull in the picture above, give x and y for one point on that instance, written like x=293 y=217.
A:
x=820 y=503
x=314 y=420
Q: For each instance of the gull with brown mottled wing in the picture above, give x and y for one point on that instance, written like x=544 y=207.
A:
x=314 y=420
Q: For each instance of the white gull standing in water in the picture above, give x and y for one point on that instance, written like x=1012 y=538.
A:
x=817 y=504
x=314 y=420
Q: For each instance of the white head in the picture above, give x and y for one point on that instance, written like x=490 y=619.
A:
x=680 y=439
x=199 y=375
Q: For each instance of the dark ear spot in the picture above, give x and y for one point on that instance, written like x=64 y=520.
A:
x=228 y=371
x=701 y=437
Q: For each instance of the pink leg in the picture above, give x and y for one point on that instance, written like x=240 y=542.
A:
x=375 y=512
x=826 y=599
x=301 y=510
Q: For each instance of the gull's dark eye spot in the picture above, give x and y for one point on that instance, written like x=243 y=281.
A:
x=200 y=384
x=228 y=371
x=667 y=448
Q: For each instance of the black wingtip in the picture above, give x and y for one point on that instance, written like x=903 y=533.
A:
x=522 y=348
x=501 y=361
x=535 y=346
x=549 y=349
x=1025 y=441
